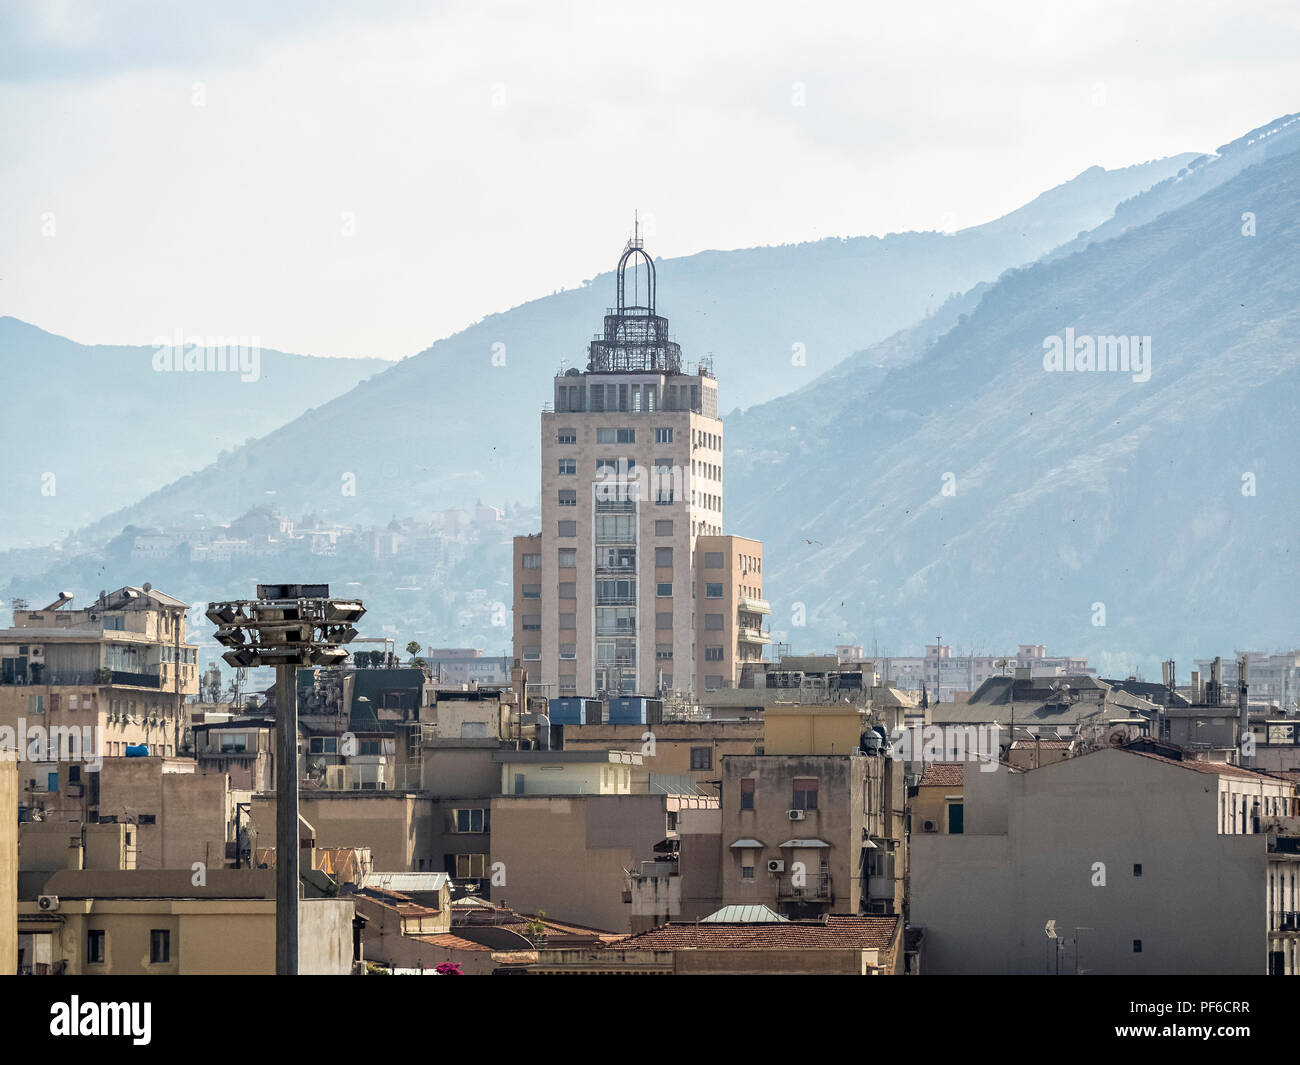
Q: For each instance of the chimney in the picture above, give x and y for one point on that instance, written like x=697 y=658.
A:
x=1243 y=710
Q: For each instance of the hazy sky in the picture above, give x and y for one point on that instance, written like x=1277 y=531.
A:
x=363 y=179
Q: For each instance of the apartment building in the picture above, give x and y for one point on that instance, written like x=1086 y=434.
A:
x=178 y=813
x=118 y=670
x=631 y=586
x=1105 y=846
x=815 y=824
x=8 y=862
x=140 y=922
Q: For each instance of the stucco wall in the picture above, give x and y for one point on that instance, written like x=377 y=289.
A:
x=1198 y=906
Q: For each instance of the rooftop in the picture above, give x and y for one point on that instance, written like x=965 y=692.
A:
x=943 y=775
x=835 y=932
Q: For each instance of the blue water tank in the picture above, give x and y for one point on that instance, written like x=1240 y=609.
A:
x=567 y=711
x=137 y=750
x=627 y=710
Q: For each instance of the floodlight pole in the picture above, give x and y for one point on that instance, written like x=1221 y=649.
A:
x=286 y=821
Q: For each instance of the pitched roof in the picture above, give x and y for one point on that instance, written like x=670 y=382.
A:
x=1221 y=769
x=944 y=775
x=450 y=942
x=836 y=932
x=394 y=901
x=404 y=882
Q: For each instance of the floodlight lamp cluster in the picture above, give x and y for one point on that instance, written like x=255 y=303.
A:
x=286 y=625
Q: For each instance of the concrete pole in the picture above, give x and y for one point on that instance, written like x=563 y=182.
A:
x=286 y=821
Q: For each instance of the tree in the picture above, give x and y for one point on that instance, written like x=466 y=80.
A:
x=413 y=648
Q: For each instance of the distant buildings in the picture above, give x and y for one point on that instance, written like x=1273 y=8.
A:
x=942 y=672
x=467 y=665
x=631 y=586
x=1274 y=678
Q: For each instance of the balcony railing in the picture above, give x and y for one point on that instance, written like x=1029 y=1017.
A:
x=212 y=750
x=746 y=634
x=65 y=678
x=805 y=886
x=753 y=606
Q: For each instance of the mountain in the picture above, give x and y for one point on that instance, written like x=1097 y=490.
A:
x=459 y=421
x=946 y=482
x=87 y=427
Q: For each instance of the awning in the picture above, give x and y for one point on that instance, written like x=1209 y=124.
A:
x=748 y=844
x=805 y=843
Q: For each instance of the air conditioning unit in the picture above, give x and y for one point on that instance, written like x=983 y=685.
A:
x=930 y=826
x=776 y=865
x=798 y=815
x=48 y=902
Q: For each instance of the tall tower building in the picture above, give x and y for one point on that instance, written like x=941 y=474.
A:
x=631 y=587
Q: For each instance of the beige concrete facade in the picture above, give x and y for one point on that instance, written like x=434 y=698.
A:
x=1160 y=862
x=8 y=864
x=677 y=749
x=729 y=594
x=606 y=595
x=398 y=828
x=820 y=845
x=182 y=815
x=569 y=855
x=160 y=923
x=118 y=670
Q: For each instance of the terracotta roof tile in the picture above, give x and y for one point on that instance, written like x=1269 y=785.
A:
x=451 y=942
x=1221 y=769
x=838 y=932
x=944 y=775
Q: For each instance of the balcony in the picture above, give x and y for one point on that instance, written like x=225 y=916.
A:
x=212 y=750
x=810 y=886
x=38 y=677
x=748 y=634
x=753 y=606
